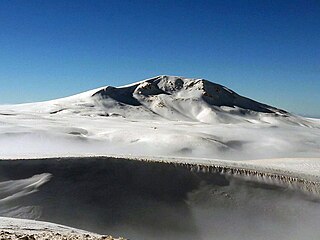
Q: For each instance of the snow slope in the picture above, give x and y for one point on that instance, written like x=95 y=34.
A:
x=164 y=115
x=14 y=229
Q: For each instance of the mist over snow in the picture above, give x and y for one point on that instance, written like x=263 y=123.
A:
x=164 y=115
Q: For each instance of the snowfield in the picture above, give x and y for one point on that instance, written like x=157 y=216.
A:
x=161 y=116
x=197 y=154
x=15 y=229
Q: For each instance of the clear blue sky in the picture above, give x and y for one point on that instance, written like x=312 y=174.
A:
x=266 y=50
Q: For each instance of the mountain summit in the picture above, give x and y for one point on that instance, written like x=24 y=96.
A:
x=166 y=90
x=178 y=98
x=163 y=115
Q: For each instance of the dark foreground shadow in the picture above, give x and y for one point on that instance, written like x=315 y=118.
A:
x=120 y=197
x=148 y=200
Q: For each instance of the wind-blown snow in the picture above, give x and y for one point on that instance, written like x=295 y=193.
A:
x=12 y=191
x=169 y=116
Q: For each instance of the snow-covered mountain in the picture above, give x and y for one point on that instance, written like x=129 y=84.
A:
x=176 y=98
x=147 y=118
x=187 y=146
x=166 y=97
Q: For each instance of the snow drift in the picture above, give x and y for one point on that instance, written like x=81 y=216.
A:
x=17 y=229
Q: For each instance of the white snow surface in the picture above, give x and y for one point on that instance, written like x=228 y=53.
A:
x=164 y=115
x=15 y=229
x=160 y=116
x=32 y=226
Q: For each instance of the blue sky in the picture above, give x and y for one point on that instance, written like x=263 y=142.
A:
x=266 y=50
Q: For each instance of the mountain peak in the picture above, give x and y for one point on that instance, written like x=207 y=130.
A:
x=179 y=89
x=172 y=98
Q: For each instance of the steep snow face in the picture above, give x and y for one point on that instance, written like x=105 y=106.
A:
x=164 y=115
